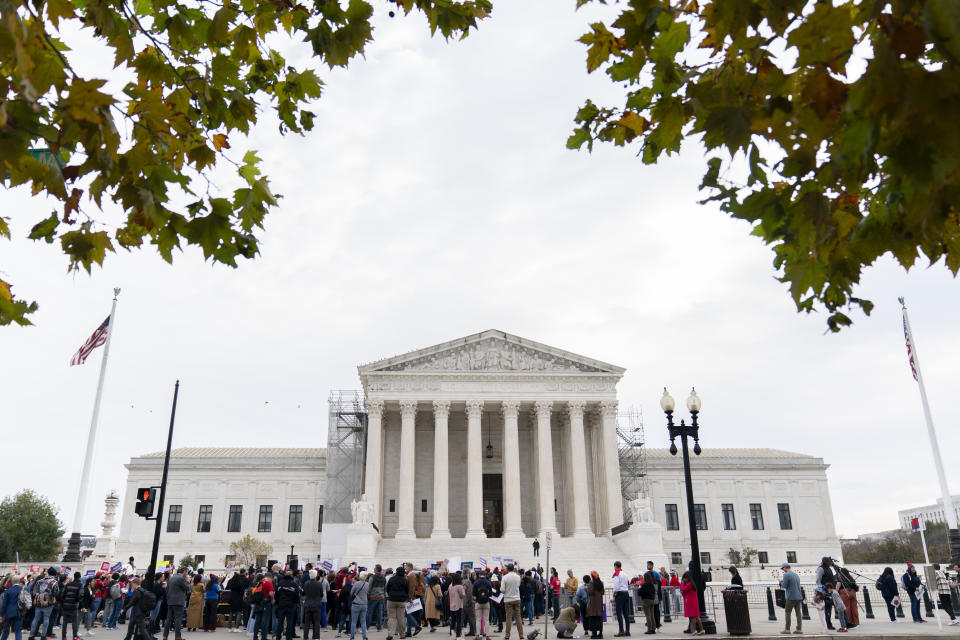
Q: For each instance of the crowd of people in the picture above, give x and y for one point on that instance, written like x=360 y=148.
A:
x=270 y=603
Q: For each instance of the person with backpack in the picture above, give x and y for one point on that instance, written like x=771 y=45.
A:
x=70 y=596
x=482 y=589
x=526 y=596
x=86 y=603
x=112 y=605
x=824 y=577
x=262 y=597
x=177 y=591
x=378 y=597
x=44 y=597
x=137 y=607
x=287 y=599
x=11 y=610
x=887 y=586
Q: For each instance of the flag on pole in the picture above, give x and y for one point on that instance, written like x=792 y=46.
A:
x=910 y=355
x=99 y=338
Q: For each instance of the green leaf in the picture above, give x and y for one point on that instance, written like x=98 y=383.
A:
x=45 y=229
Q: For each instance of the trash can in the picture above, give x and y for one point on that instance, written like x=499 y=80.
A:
x=736 y=611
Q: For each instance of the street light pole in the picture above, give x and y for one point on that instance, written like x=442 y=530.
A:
x=683 y=431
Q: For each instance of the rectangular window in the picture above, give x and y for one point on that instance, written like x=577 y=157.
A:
x=236 y=515
x=704 y=558
x=228 y=559
x=393 y=505
x=700 y=516
x=265 y=522
x=756 y=516
x=168 y=559
x=783 y=510
x=423 y=506
x=762 y=557
x=676 y=558
x=792 y=557
x=320 y=520
x=673 y=519
x=199 y=559
x=206 y=515
x=173 y=518
x=729 y=521
x=295 y=520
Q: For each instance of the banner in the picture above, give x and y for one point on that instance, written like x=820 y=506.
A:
x=104 y=566
x=34 y=568
x=482 y=563
x=496 y=559
x=466 y=565
x=413 y=606
x=117 y=567
x=435 y=566
x=90 y=573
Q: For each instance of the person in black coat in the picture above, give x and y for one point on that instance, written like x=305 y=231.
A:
x=397 y=588
x=887 y=585
x=237 y=586
x=70 y=596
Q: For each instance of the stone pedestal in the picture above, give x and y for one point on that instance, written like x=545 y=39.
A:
x=362 y=541
x=641 y=542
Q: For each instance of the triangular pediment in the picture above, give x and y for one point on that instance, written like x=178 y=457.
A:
x=491 y=352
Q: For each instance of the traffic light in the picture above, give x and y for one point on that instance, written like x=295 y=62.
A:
x=145 y=499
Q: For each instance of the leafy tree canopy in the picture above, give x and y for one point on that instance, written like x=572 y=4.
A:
x=200 y=72
x=29 y=523
x=186 y=562
x=831 y=127
x=900 y=547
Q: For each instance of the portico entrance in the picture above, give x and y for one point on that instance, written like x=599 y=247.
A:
x=493 y=505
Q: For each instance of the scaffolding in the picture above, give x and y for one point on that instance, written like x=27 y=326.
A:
x=346 y=433
x=631 y=450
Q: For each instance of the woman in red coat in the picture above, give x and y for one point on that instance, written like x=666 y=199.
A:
x=691 y=605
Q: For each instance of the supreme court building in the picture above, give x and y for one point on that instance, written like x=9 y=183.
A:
x=470 y=449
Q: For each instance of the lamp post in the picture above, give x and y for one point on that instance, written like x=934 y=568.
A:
x=683 y=432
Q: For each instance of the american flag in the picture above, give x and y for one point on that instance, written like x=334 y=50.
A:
x=913 y=362
x=98 y=338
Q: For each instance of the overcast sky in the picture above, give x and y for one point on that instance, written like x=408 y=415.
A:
x=435 y=199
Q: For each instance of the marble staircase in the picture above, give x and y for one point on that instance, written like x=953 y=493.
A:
x=580 y=554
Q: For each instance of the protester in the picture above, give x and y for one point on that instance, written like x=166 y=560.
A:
x=211 y=599
x=838 y=605
x=455 y=594
x=397 y=589
x=912 y=585
x=378 y=595
x=847 y=588
x=177 y=591
x=70 y=596
x=237 y=586
x=887 y=585
x=648 y=595
x=735 y=578
x=137 y=606
x=824 y=576
x=510 y=588
x=790 y=582
x=566 y=622
x=943 y=594
x=45 y=592
x=621 y=600
x=358 y=610
x=691 y=604
x=595 y=606
x=11 y=615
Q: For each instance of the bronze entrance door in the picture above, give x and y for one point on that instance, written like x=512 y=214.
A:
x=493 y=505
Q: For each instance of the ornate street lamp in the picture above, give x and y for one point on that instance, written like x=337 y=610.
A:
x=489 y=443
x=683 y=432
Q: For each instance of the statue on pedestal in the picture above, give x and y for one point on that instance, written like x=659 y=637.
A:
x=362 y=511
x=641 y=510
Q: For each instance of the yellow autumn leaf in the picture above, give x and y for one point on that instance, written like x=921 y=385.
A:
x=220 y=141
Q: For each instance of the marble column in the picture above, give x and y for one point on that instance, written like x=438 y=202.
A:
x=408 y=448
x=373 y=476
x=611 y=463
x=578 y=470
x=441 y=474
x=548 y=517
x=474 y=471
x=512 y=527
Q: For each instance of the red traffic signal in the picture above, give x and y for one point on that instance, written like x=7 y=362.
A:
x=145 y=499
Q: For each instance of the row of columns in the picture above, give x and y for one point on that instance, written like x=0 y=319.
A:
x=607 y=483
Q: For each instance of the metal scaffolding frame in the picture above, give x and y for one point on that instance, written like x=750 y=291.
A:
x=631 y=451
x=346 y=434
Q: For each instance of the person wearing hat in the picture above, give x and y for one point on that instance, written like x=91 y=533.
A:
x=912 y=585
x=790 y=582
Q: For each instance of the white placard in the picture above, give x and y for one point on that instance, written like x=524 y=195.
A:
x=413 y=606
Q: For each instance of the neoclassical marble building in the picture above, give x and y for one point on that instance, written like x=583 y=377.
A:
x=492 y=436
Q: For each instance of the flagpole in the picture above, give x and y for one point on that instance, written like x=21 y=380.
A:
x=73 y=548
x=949 y=513
x=926 y=560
